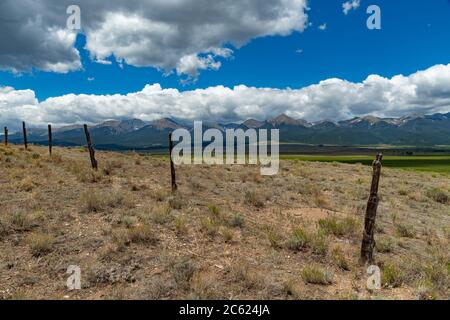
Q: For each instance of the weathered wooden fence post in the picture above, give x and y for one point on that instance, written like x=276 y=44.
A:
x=91 y=149
x=50 y=139
x=25 y=140
x=172 y=165
x=368 y=242
x=6 y=136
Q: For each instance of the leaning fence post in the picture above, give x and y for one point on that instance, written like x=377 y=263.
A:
x=368 y=242
x=50 y=139
x=172 y=165
x=25 y=141
x=91 y=149
x=6 y=136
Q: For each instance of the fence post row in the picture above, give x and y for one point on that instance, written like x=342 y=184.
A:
x=172 y=165
x=91 y=149
x=368 y=242
x=50 y=139
x=25 y=140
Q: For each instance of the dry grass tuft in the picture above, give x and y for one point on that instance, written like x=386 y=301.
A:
x=316 y=275
x=255 y=199
x=339 y=259
x=92 y=201
x=204 y=286
x=405 y=231
x=27 y=184
x=339 y=227
x=392 y=276
x=143 y=234
x=40 y=244
x=299 y=239
x=438 y=195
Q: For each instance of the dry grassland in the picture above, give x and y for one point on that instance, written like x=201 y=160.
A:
x=228 y=233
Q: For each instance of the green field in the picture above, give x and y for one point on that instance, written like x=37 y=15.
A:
x=418 y=163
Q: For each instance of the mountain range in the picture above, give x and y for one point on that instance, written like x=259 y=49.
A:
x=416 y=130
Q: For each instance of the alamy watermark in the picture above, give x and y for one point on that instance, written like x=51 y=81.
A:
x=73 y=22
x=235 y=141
x=74 y=280
x=374 y=279
x=374 y=20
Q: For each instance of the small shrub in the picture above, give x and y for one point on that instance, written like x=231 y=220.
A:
x=405 y=231
x=438 y=195
x=249 y=277
x=107 y=169
x=176 y=202
x=425 y=291
x=92 y=201
x=137 y=187
x=160 y=195
x=26 y=184
x=338 y=227
x=339 y=259
x=120 y=238
x=290 y=288
x=181 y=225
x=89 y=176
x=204 y=286
x=236 y=221
x=208 y=226
x=392 y=276
x=379 y=228
x=299 y=240
x=214 y=210
x=254 y=199
x=128 y=221
x=118 y=199
x=228 y=235
x=305 y=188
x=319 y=243
x=384 y=245
x=56 y=158
x=161 y=214
x=143 y=234
x=438 y=275
x=40 y=244
x=183 y=272
x=156 y=288
x=315 y=275
x=21 y=221
x=5 y=228
x=274 y=238
x=320 y=200
x=196 y=184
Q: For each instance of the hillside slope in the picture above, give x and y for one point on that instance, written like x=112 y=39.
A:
x=425 y=130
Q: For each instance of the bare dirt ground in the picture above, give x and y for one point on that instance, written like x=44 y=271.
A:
x=228 y=233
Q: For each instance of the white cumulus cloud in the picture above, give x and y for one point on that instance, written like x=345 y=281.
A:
x=185 y=36
x=426 y=91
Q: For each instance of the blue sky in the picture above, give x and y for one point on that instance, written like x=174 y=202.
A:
x=415 y=35
x=252 y=59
